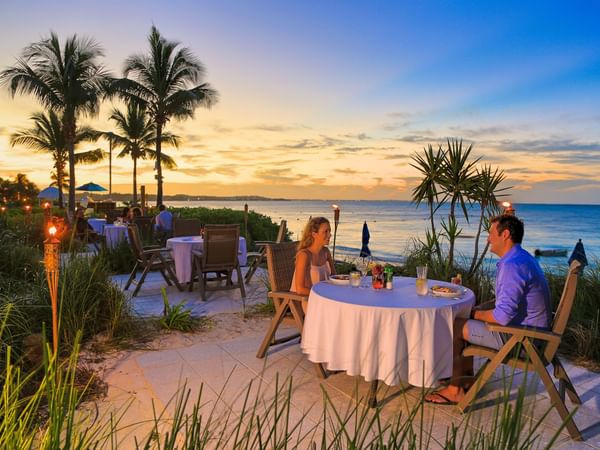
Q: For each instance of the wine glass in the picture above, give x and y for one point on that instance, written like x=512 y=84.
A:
x=362 y=265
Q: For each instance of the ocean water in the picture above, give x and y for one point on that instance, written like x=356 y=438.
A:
x=393 y=225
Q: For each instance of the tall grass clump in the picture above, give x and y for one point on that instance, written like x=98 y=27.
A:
x=119 y=259
x=89 y=301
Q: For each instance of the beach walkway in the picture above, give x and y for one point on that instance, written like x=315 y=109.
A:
x=223 y=361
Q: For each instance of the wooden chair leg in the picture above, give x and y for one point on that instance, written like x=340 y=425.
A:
x=565 y=383
x=132 y=275
x=253 y=266
x=164 y=275
x=372 y=400
x=321 y=372
x=557 y=402
x=141 y=281
x=486 y=373
x=275 y=322
x=171 y=272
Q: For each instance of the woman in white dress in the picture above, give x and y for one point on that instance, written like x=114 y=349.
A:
x=313 y=259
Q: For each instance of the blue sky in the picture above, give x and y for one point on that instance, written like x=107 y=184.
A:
x=329 y=99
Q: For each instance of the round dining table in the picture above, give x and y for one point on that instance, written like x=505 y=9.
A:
x=97 y=225
x=181 y=250
x=387 y=335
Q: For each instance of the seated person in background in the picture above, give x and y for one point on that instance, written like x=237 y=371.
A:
x=134 y=212
x=522 y=298
x=83 y=230
x=313 y=259
x=125 y=215
x=164 y=220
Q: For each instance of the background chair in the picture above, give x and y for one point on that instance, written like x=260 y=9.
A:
x=186 y=227
x=149 y=258
x=288 y=305
x=532 y=358
x=259 y=255
x=145 y=226
x=219 y=255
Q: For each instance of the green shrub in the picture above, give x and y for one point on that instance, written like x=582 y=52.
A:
x=260 y=227
x=119 y=259
x=175 y=317
x=18 y=260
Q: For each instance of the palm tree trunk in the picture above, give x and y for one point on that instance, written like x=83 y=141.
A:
x=69 y=130
x=110 y=146
x=476 y=250
x=451 y=239
x=59 y=181
x=159 y=189
x=433 y=232
x=135 y=181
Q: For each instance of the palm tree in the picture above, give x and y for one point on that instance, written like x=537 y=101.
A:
x=166 y=84
x=68 y=80
x=47 y=136
x=430 y=166
x=138 y=137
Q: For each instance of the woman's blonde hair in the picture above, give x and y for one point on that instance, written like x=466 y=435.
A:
x=313 y=225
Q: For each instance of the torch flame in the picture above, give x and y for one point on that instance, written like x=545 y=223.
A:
x=52 y=230
x=335 y=206
x=506 y=204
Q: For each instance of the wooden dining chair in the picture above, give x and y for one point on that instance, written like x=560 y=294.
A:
x=288 y=305
x=219 y=256
x=186 y=227
x=149 y=258
x=258 y=256
x=521 y=352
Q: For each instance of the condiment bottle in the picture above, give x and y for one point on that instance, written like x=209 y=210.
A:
x=389 y=277
x=457 y=279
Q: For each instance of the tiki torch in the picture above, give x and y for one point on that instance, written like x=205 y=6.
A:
x=508 y=208
x=336 y=221
x=27 y=209
x=246 y=221
x=47 y=214
x=52 y=263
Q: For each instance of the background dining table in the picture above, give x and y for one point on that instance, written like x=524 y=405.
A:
x=97 y=225
x=181 y=249
x=388 y=335
x=115 y=234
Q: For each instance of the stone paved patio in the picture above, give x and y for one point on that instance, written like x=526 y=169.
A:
x=223 y=361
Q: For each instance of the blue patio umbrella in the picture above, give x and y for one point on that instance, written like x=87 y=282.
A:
x=364 y=250
x=579 y=254
x=50 y=193
x=91 y=187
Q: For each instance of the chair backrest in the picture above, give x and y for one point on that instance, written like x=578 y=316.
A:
x=563 y=311
x=220 y=247
x=186 y=227
x=281 y=263
x=136 y=242
x=281 y=232
x=144 y=224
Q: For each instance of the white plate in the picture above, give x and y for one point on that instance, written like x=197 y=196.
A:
x=335 y=280
x=456 y=292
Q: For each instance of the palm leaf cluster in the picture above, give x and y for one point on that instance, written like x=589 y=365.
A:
x=69 y=82
x=450 y=175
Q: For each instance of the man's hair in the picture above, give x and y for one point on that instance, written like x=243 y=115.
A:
x=161 y=207
x=513 y=224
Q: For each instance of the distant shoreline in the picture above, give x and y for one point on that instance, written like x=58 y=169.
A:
x=259 y=198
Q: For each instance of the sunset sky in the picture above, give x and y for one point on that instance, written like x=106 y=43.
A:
x=328 y=99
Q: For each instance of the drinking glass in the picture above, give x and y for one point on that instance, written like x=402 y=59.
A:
x=421 y=283
x=355 y=278
x=362 y=264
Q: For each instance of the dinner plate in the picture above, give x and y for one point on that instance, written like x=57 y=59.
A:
x=339 y=279
x=454 y=292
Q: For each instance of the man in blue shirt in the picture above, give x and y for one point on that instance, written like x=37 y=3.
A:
x=522 y=298
x=164 y=224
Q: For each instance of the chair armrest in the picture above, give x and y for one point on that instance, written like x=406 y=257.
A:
x=517 y=330
x=154 y=247
x=263 y=243
x=486 y=306
x=155 y=250
x=287 y=294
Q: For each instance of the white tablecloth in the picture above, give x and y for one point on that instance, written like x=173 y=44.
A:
x=182 y=254
x=114 y=234
x=97 y=225
x=388 y=335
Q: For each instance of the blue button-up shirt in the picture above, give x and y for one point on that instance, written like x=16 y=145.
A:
x=522 y=292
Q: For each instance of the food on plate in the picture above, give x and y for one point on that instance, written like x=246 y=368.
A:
x=443 y=289
x=340 y=277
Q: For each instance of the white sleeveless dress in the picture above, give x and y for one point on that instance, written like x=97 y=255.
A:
x=317 y=273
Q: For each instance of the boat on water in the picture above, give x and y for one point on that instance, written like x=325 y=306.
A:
x=550 y=252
